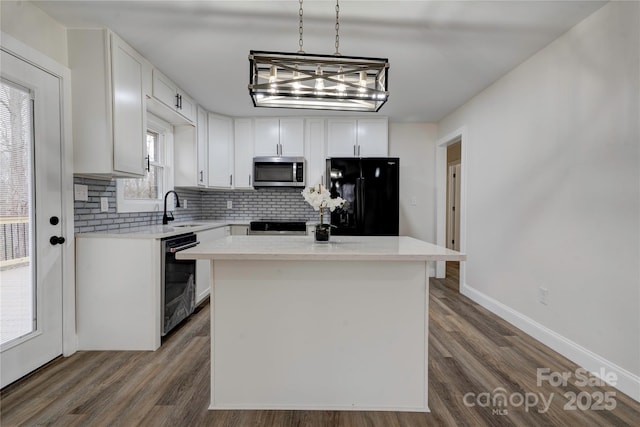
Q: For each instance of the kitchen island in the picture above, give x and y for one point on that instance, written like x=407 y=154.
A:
x=336 y=326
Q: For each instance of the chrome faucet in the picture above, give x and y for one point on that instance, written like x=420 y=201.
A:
x=165 y=217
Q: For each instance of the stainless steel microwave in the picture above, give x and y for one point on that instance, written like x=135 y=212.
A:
x=279 y=172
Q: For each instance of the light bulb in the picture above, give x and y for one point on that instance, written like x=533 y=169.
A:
x=296 y=76
x=340 y=87
x=363 y=81
x=273 y=76
x=320 y=81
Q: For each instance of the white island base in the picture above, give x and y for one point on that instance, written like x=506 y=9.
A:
x=319 y=327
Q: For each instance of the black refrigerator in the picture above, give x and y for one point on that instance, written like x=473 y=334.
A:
x=371 y=188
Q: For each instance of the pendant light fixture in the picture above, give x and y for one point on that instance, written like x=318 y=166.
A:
x=318 y=82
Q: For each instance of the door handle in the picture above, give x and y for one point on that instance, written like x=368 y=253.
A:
x=56 y=240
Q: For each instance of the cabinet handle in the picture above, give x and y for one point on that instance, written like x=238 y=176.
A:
x=249 y=180
x=181 y=102
x=231 y=179
x=354 y=150
x=358 y=151
x=201 y=176
x=148 y=164
x=177 y=100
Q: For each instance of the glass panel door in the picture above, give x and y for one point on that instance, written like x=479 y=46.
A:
x=17 y=266
x=31 y=222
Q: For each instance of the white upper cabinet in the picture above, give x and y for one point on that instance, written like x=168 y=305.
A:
x=202 y=151
x=178 y=106
x=373 y=137
x=220 y=151
x=243 y=153
x=109 y=111
x=190 y=152
x=279 y=137
x=315 y=149
x=266 y=137
x=357 y=137
x=292 y=137
x=341 y=138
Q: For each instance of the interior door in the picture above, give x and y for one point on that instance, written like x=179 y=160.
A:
x=453 y=207
x=30 y=214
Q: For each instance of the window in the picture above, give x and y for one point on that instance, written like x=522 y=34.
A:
x=150 y=187
x=145 y=194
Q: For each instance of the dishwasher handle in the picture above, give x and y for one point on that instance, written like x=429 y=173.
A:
x=183 y=247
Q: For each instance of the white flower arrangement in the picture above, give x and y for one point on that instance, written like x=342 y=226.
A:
x=320 y=198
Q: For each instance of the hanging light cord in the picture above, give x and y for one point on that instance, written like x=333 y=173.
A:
x=300 y=29
x=337 y=29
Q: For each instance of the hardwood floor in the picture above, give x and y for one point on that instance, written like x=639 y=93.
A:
x=472 y=353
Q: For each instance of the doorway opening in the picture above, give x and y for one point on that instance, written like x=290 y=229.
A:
x=454 y=157
x=450 y=202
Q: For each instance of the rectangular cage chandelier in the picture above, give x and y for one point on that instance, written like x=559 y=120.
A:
x=318 y=82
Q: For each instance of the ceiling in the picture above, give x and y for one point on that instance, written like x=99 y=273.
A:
x=441 y=53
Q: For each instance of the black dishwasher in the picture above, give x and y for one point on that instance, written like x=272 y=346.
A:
x=178 y=281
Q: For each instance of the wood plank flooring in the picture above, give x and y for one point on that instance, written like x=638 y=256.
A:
x=471 y=352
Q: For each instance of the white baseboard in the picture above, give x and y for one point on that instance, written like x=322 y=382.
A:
x=627 y=382
x=202 y=296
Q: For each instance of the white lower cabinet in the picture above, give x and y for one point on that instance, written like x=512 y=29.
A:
x=239 y=230
x=203 y=268
x=118 y=293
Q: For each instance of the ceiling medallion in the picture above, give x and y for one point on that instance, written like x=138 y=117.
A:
x=318 y=82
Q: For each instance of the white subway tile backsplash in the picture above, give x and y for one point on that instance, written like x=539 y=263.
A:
x=280 y=203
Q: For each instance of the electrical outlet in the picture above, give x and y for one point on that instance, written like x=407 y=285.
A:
x=229 y=204
x=185 y=204
x=104 y=204
x=81 y=192
x=543 y=295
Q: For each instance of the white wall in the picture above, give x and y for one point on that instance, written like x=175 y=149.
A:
x=33 y=27
x=414 y=144
x=553 y=189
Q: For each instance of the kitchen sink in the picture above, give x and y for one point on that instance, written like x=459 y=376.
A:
x=185 y=225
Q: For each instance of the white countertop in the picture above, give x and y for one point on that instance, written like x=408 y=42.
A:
x=340 y=248
x=157 y=231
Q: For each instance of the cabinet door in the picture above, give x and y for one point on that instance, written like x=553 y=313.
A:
x=164 y=90
x=203 y=267
x=129 y=115
x=341 y=138
x=243 y=149
x=202 y=143
x=220 y=151
x=373 y=137
x=315 y=149
x=187 y=106
x=239 y=230
x=266 y=137
x=292 y=137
